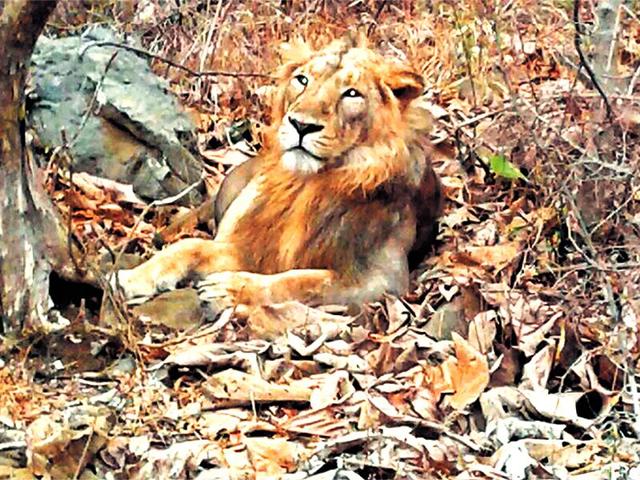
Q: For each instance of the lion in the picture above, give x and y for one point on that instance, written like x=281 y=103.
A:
x=342 y=193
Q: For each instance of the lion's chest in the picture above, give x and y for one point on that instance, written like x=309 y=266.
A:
x=266 y=224
x=290 y=225
x=238 y=210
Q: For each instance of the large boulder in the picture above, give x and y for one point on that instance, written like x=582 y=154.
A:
x=137 y=131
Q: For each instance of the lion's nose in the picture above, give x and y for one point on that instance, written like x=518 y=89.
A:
x=303 y=128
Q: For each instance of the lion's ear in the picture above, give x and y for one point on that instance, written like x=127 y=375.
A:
x=292 y=55
x=405 y=84
x=296 y=51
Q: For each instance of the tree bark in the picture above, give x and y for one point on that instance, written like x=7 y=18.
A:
x=604 y=43
x=32 y=237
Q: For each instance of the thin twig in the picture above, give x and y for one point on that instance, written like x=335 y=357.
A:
x=634 y=394
x=633 y=81
x=66 y=147
x=179 y=66
x=223 y=17
x=209 y=36
x=482 y=116
x=155 y=203
x=92 y=102
x=629 y=199
x=374 y=24
x=85 y=450
x=616 y=267
x=577 y=42
x=440 y=428
x=592 y=258
x=69 y=158
x=528 y=73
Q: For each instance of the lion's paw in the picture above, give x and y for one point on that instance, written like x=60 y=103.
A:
x=223 y=290
x=134 y=288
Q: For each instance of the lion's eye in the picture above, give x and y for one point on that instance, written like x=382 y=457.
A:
x=302 y=80
x=352 y=93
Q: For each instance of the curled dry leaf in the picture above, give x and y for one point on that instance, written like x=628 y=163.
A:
x=97 y=187
x=501 y=402
x=60 y=445
x=303 y=349
x=350 y=363
x=465 y=377
x=220 y=422
x=459 y=215
x=271 y=457
x=272 y=321
x=514 y=460
x=531 y=317
x=497 y=257
x=477 y=262
x=335 y=389
x=383 y=405
x=566 y=453
x=78 y=201
x=504 y=430
x=482 y=331
x=536 y=373
x=179 y=459
x=47 y=436
x=326 y=422
x=232 y=387
x=570 y=407
x=471 y=375
x=241 y=354
x=398 y=314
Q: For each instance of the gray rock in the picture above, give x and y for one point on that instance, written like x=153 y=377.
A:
x=136 y=131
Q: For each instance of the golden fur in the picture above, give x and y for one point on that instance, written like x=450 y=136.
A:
x=331 y=209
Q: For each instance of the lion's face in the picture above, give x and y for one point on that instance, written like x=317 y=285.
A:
x=339 y=99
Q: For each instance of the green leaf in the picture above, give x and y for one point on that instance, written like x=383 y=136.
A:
x=504 y=168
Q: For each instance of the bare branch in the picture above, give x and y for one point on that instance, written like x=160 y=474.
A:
x=179 y=66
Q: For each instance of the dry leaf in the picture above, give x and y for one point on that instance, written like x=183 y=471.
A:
x=272 y=457
x=226 y=156
x=235 y=387
x=324 y=423
x=482 y=331
x=536 y=372
x=272 y=321
x=563 y=407
x=469 y=376
x=497 y=256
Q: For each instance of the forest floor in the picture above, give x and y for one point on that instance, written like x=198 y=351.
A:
x=514 y=356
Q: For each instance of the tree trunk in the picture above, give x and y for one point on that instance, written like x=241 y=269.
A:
x=32 y=239
x=604 y=42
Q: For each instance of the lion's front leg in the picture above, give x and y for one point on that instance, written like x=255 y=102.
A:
x=228 y=289
x=185 y=259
